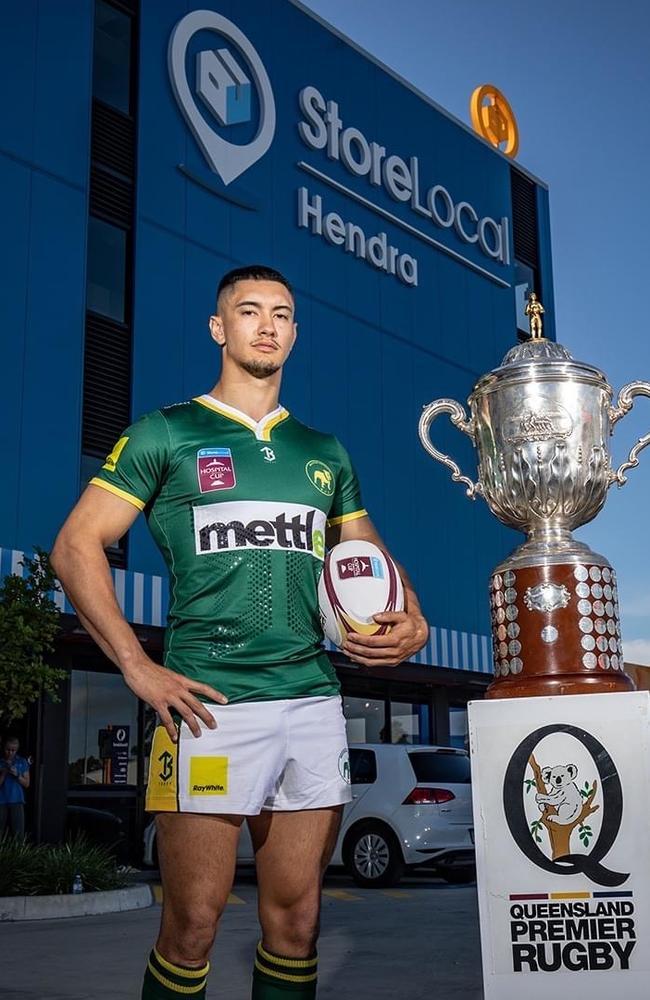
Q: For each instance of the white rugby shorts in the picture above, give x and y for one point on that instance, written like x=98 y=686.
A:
x=280 y=755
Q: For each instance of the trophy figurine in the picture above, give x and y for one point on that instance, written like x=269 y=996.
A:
x=541 y=423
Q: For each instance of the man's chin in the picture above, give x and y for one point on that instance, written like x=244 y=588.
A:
x=260 y=369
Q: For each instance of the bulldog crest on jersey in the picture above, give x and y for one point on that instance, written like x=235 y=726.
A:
x=215 y=469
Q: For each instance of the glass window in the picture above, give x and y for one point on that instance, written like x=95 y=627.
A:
x=106 y=269
x=524 y=284
x=364 y=720
x=363 y=767
x=90 y=466
x=409 y=723
x=441 y=765
x=112 y=56
x=458 y=728
x=149 y=728
x=103 y=730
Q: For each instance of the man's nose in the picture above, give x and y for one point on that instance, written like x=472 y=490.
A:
x=267 y=326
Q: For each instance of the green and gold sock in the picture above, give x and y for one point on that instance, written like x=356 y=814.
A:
x=275 y=977
x=165 y=981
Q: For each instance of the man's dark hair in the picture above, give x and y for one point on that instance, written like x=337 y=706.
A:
x=252 y=272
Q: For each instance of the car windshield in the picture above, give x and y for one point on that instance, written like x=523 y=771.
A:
x=441 y=765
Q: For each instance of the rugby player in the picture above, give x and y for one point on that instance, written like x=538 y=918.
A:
x=241 y=499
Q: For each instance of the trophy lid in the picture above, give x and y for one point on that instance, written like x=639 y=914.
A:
x=536 y=349
x=546 y=357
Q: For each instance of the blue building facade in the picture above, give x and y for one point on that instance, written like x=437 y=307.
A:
x=148 y=148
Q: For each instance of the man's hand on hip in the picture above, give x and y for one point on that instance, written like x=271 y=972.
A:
x=167 y=691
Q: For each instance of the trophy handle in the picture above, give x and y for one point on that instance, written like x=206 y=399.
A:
x=624 y=405
x=459 y=420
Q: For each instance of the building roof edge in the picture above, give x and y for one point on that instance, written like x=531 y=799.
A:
x=414 y=90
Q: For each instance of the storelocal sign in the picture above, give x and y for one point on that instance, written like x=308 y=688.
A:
x=227 y=85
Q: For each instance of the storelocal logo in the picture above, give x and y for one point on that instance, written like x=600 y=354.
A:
x=221 y=84
x=225 y=95
x=225 y=527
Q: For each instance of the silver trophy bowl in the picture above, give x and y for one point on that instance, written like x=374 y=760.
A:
x=541 y=424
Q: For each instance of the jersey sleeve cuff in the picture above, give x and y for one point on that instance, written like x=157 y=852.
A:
x=122 y=494
x=331 y=521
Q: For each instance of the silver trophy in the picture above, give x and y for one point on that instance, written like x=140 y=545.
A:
x=541 y=424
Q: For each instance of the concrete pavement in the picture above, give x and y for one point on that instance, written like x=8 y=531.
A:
x=414 y=942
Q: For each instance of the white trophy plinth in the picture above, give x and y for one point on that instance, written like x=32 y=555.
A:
x=561 y=789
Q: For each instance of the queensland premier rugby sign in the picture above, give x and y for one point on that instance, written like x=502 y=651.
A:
x=561 y=792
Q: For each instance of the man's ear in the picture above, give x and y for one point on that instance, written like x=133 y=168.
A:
x=216 y=330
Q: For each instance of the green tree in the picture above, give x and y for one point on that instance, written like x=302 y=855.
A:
x=29 y=622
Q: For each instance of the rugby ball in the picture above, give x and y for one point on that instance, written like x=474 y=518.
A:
x=359 y=580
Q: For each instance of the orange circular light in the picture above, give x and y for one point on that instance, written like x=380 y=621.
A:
x=494 y=119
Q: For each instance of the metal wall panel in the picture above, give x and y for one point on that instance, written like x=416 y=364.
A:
x=51 y=404
x=46 y=60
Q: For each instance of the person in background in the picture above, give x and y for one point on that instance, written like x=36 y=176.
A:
x=14 y=779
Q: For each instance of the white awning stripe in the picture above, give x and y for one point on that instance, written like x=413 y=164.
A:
x=130 y=588
x=144 y=600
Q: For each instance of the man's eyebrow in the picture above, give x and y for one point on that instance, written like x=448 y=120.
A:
x=252 y=302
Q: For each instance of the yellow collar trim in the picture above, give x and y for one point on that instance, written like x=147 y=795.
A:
x=260 y=428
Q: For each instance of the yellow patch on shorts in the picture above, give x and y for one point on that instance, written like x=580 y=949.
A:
x=162 y=787
x=208 y=776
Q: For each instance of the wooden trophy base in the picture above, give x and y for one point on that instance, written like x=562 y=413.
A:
x=556 y=631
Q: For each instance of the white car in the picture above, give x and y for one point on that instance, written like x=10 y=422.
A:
x=411 y=805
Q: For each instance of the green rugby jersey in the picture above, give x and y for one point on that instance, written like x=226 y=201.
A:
x=239 y=510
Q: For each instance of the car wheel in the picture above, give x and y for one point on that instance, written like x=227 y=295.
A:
x=373 y=857
x=459 y=876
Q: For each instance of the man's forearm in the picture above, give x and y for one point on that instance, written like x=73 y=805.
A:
x=412 y=603
x=84 y=572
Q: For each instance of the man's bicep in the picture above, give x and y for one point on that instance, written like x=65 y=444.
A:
x=100 y=515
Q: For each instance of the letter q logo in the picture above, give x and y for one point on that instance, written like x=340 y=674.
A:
x=225 y=89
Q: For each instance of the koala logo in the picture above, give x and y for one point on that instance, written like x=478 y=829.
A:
x=556 y=790
x=564 y=794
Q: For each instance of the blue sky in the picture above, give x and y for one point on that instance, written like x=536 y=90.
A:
x=577 y=76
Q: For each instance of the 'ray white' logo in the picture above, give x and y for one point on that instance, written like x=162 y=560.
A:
x=224 y=87
x=251 y=524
